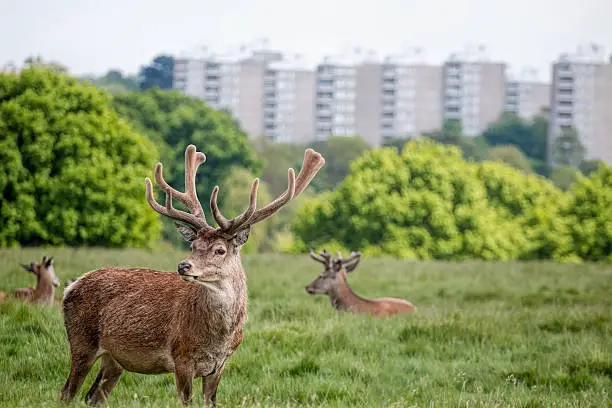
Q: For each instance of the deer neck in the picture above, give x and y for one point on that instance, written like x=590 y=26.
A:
x=221 y=305
x=342 y=296
x=44 y=287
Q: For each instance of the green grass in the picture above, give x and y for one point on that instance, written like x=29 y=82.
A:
x=485 y=335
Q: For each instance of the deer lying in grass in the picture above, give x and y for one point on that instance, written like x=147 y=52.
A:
x=46 y=281
x=333 y=283
x=152 y=322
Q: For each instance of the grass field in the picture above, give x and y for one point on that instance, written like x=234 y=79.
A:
x=485 y=335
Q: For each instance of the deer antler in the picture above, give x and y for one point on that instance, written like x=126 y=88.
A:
x=312 y=163
x=196 y=217
x=352 y=257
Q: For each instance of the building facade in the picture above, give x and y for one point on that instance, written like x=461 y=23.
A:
x=527 y=97
x=289 y=102
x=581 y=97
x=474 y=91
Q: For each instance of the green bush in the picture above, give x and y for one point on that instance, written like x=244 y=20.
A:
x=589 y=211
x=71 y=170
x=426 y=203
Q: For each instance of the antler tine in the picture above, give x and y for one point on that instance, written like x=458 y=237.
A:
x=312 y=163
x=352 y=257
x=317 y=257
x=197 y=219
x=230 y=226
x=275 y=205
x=193 y=160
x=170 y=211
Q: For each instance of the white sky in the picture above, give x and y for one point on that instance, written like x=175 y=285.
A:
x=91 y=36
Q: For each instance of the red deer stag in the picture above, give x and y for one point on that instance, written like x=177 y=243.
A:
x=152 y=322
x=46 y=281
x=333 y=283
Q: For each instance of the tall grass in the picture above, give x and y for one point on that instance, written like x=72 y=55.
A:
x=485 y=335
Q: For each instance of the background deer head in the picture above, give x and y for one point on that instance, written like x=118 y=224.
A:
x=43 y=270
x=334 y=272
x=215 y=251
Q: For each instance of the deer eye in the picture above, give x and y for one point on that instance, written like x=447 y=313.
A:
x=219 y=251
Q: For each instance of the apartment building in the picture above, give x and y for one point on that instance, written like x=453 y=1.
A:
x=410 y=98
x=234 y=82
x=335 y=97
x=525 y=96
x=360 y=94
x=474 y=90
x=289 y=102
x=581 y=97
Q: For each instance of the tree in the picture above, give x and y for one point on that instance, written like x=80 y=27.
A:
x=38 y=61
x=115 y=82
x=510 y=155
x=425 y=203
x=173 y=121
x=450 y=134
x=472 y=148
x=590 y=213
x=71 y=170
x=158 y=74
x=564 y=176
x=587 y=167
x=531 y=206
x=277 y=158
x=339 y=153
x=529 y=137
x=567 y=149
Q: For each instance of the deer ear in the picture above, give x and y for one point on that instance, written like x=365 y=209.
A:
x=28 y=268
x=188 y=233
x=241 y=237
x=49 y=262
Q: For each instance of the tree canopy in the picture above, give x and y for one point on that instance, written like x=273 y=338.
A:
x=71 y=170
x=158 y=74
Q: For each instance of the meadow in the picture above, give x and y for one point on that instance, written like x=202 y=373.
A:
x=486 y=334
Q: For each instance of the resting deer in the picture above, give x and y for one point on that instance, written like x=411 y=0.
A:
x=46 y=281
x=333 y=283
x=152 y=322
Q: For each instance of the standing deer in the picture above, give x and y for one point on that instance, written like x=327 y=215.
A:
x=152 y=322
x=46 y=281
x=333 y=283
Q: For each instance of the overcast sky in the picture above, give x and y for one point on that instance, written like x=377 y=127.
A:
x=91 y=36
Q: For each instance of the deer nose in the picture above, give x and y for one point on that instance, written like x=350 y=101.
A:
x=309 y=290
x=183 y=268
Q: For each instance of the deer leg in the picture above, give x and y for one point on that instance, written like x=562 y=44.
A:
x=184 y=384
x=210 y=383
x=79 y=367
x=110 y=372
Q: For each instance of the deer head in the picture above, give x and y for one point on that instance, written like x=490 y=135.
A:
x=216 y=251
x=43 y=270
x=334 y=272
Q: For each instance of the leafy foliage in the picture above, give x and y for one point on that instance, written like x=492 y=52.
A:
x=590 y=215
x=339 y=153
x=71 y=171
x=425 y=203
x=158 y=74
x=511 y=129
x=428 y=203
x=511 y=156
x=115 y=82
x=567 y=149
